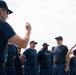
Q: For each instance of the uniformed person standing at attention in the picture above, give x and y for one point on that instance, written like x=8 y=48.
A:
x=12 y=51
x=53 y=49
x=45 y=58
x=61 y=66
x=73 y=61
x=30 y=56
x=18 y=63
x=52 y=58
x=8 y=34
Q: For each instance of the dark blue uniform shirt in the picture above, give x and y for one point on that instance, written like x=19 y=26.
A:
x=60 y=54
x=17 y=61
x=12 y=51
x=6 y=32
x=31 y=56
x=73 y=62
x=45 y=59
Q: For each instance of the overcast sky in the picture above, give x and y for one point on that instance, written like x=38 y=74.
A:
x=49 y=18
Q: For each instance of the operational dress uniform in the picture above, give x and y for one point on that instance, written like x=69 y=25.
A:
x=12 y=51
x=60 y=60
x=6 y=32
x=73 y=63
x=45 y=60
x=18 y=65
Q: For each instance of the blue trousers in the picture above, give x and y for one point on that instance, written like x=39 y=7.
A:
x=68 y=73
x=18 y=71
x=10 y=70
x=31 y=70
x=46 y=71
x=72 y=71
x=59 y=69
x=2 y=71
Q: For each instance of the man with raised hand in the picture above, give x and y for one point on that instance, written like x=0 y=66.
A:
x=8 y=34
x=73 y=61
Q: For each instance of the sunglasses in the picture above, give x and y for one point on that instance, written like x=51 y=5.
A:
x=58 y=39
x=6 y=11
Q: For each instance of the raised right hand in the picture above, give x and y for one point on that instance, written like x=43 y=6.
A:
x=74 y=46
x=28 y=26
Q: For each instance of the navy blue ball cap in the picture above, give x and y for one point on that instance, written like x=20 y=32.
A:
x=33 y=42
x=45 y=44
x=74 y=52
x=4 y=5
x=59 y=38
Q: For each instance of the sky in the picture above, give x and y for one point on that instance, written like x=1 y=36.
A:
x=48 y=18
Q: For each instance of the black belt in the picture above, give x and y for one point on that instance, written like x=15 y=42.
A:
x=18 y=67
x=59 y=63
x=31 y=65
